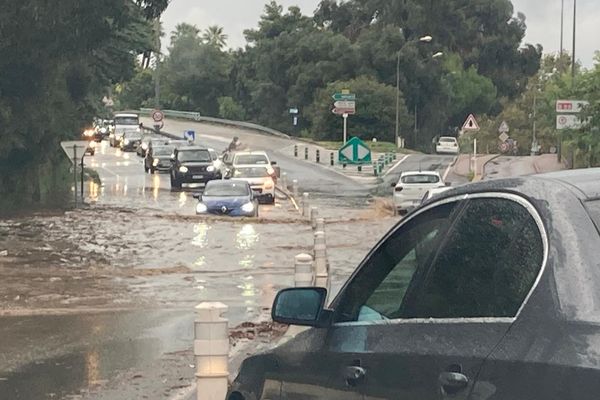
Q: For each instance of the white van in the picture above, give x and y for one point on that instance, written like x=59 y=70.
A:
x=123 y=123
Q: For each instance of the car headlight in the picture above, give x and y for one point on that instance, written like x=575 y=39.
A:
x=126 y=141
x=92 y=145
x=248 y=207
x=102 y=130
x=144 y=146
x=155 y=162
x=183 y=169
x=201 y=208
x=210 y=168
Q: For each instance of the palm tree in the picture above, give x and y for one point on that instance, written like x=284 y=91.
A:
x=214 y=36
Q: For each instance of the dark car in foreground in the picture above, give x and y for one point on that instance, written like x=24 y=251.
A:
x=192 y=164
x=231 y=197
x=158 y=158
x=487 y=291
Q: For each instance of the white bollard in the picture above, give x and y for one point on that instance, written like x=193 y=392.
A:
x=284 y=180
x=303 y=270
x=314 y=214
x=305 y=205
x=295 y=189
x=211 y=348
x=320 y=225
x=320 y=263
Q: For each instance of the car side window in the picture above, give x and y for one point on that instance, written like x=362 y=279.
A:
x=486 y=266
x=378 y=290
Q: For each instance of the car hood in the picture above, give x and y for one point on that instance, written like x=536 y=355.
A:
x=254 y=181
x=230 y=202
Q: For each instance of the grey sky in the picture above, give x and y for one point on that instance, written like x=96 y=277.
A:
x=543 y=20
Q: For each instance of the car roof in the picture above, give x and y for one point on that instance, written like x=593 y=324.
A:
x=412 y=173
x=447 y=137
x=584 y=182
x=242 y=153
x=126 y=115
x=191 y=148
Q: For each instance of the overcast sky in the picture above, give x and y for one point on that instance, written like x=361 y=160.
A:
x=543 y=20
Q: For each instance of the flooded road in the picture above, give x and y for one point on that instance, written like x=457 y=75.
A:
x=98 y=303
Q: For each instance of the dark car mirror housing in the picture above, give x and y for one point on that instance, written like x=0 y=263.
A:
x=273 y=162
x=197 y=196
x=393 y=185
x=300 y=306
x=448 y=184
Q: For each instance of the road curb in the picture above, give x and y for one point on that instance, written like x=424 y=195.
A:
x=484 y=166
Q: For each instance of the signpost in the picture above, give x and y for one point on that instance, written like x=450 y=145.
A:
x=568 y=114
x=72 y=149
x=355 y=151
x=571 y=106
x=345 y=105
x=190 y=136
x=157 y=115
x=471 y=124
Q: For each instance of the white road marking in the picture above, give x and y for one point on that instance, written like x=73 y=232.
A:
x=396 y=165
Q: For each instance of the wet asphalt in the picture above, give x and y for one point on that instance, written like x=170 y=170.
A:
x=148 y=260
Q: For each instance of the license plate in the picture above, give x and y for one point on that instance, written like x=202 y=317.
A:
x=197 y=176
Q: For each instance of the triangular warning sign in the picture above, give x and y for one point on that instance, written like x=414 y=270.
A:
x=470 y=124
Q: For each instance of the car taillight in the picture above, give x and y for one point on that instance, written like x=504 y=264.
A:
x=398 y=189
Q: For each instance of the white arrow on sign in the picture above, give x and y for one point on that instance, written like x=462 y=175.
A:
x=362 y=152
x=348 y=152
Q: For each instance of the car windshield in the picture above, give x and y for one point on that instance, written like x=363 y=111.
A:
x=251 y=159
x=132 y=135
x=251 y=172
x=127 y=121
x=162 y=151
x=194 y=156
x=226 y=189
x=420 y=179
x=447 y=140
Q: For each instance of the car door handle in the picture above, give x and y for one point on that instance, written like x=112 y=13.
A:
x=354 y=375
x=453 y=382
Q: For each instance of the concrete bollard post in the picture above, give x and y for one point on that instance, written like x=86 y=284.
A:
x=303 y=271
x=295 y=189
x=295 y=150
x=314 y=214
x=318 y=156
x=306 y=153
x=320 y=261
x=331 y=161
x=320 y=225
x=305 y=205
x=284 y=180
x=211 y=349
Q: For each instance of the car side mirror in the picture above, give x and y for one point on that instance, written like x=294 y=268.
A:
x=393 y=185
x=448 y=184
x=197 y=196
x=273 y=162
x=299 y=306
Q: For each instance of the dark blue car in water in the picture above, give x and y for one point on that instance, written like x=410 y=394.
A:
x=233 y=198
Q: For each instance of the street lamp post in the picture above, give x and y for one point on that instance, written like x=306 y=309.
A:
x=424 y=39
x=573 y=62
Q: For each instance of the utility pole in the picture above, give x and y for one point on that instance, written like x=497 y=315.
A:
x=573 y=61
x=398 y=101
x=157 y=63
x=562 y=27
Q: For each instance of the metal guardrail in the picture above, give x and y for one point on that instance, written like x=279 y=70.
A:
x=195 y=116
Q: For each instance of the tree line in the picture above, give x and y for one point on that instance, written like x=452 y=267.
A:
x=293 y=60
x=57 y=61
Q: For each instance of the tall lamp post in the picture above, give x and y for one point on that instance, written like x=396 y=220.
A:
x=424 y=39
x=573 y=61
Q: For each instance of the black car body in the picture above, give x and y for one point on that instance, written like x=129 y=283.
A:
x=489 y=291
x=158 y=158
x=192 y=164
x=131 y=141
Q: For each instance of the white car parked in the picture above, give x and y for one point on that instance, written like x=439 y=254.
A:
x=410 y=189
x=447 y=145
x=260 y=181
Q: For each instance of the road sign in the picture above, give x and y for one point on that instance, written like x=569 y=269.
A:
x=157 y=115
x=342 y=111
x=504 y=128
x=503 y=137
x=470 y=124
x=75 y=146
x=189 y=135
x=568 y=121
x=344 y=104
x=344 y=97
x=294 y=110
x=355 y=151
x=570 y=106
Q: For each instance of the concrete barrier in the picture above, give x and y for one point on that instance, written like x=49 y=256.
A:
x=320 y=261
x=305 y=204
x=211 y=349
x=314 y=214
x=303 y=270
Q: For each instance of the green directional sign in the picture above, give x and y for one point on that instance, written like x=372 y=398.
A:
x=355 y=151
x=344 y=97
